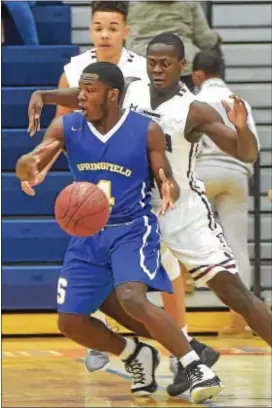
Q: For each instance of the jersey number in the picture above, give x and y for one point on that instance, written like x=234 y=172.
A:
x=62 y=285
x=105 y=186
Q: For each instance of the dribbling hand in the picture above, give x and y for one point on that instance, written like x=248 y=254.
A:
x=237 y=115
x=27 y=186
x=34 y=113
x=169 y=192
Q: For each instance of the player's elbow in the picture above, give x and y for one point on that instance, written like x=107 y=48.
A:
x=249 y=158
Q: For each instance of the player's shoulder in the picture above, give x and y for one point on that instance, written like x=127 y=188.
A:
x=73 y=120
x=133 y=64
x=133 y=57
x=88 y=56
x=137 y=83
x=138 y=116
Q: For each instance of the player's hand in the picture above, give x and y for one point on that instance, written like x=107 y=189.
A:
x=27 y=186
x=30 y=166
x=27 y=169
x=34 y=113
x=270 y=194
x=169 y=192
x=237 y=115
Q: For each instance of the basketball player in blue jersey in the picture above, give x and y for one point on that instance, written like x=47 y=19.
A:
x=109 y=31
x=121 y=148
x=206 y=254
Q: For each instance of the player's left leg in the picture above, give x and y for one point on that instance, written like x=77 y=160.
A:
x=174 y=304
x=85 y=282
x=136 y=268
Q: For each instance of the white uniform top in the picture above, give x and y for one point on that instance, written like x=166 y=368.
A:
x=213 y=91
x=172 y=116
x=130 y=63
x=189 y=230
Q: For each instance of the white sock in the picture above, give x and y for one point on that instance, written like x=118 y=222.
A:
x=184 y=331
x=129 y=349
x=189 y=358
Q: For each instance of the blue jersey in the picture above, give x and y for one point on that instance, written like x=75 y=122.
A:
x=117 y=162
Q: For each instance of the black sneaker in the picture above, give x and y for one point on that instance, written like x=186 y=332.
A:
x=207 y=355
x=204 y=383
x=142 y=365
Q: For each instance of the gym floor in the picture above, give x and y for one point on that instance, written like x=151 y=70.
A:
x=49 y=372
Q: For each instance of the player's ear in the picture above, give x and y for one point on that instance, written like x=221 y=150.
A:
x=113 y=95
x=183 y=63
x=198 y=78
x=126 y=31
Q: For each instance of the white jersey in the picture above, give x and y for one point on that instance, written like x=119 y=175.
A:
x=172 y=116
x=130 y=63
x=213 y=91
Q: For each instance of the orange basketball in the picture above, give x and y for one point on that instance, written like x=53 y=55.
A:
x=82 y=209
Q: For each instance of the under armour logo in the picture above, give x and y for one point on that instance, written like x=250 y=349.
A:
x=74 y=129
x=133 y=107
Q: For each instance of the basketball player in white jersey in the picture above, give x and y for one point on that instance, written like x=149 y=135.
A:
x=190 y=230
x=109 y=30
x=225 y=178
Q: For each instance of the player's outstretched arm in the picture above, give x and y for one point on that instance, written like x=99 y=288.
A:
x=66 y=97
x=161 y=168
x=31 y=165
x=241 y=144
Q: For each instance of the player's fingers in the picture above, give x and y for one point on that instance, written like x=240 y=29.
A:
x=237 y=99
x=226 y=106
x=38 y=121
x=162 y=175
x=164 y=206
x=25 y=186
x=30 y=124
x=35 y=126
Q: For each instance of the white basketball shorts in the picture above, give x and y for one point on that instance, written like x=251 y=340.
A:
x=193 y=236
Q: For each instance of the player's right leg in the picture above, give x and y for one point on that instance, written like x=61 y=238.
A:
x=201 y=246
x=228 y=190
x=85 y=282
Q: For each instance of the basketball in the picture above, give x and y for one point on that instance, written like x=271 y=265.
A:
x=82 y=209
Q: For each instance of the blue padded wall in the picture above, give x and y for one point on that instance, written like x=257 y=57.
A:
x=34 y=65
x=33 y=245
x=15 y=202
x=16 y=142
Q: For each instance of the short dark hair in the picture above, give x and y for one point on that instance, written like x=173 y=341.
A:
x=111 y=6
x=208 y=62
x=108 y=73
x=169 y=39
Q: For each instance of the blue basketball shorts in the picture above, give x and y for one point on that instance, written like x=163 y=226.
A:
x=93 y=267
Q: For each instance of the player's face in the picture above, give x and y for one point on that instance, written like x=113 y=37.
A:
x=108 y=32
x=93 y=99
x=163 y=66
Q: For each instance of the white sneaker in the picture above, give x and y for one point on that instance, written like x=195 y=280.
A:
x=142 y=365
x=204 y=383
x=96 y=360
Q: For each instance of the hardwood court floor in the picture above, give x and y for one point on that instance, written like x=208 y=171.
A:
x=49 y=373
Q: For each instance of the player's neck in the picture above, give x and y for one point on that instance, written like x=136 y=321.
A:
x=106 y=124
x=104 y=57
x=159 y=96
